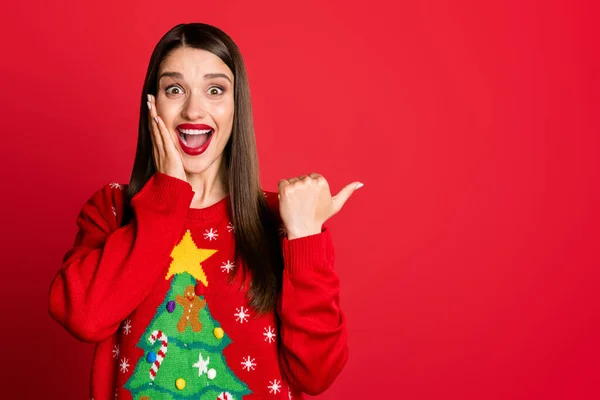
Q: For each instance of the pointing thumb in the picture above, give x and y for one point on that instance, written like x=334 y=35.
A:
x=343 y=195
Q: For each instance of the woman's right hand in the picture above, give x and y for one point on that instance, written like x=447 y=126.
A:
x=166 y=157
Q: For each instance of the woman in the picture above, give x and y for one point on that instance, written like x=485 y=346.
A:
x=154 y=279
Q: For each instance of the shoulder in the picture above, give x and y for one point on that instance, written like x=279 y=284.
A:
x=112 y=194
x=107 y=202
x=272 y=201
x=273 y=204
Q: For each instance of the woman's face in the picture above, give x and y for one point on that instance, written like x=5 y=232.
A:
x=195 y=94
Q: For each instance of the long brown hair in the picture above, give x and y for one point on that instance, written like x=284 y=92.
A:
x=256 y=226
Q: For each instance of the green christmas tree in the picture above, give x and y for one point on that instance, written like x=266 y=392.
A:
x=183 y=345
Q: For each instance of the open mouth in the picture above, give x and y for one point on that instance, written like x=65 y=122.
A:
x=194 y=138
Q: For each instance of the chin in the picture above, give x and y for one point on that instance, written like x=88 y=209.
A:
x=196 y=166
x=196 y=169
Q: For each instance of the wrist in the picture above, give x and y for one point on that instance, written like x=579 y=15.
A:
x=299 y=233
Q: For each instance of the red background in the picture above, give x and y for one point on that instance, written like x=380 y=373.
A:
x=469 y=260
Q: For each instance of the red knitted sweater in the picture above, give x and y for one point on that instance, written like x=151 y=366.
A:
x=155 y=298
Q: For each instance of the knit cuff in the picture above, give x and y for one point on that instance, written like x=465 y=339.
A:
x=309 y=252
x=165 y=192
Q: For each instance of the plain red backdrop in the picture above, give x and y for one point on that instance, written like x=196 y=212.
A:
x=469 y=260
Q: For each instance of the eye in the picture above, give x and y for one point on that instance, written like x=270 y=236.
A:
x=215 y=88
x=173 y=87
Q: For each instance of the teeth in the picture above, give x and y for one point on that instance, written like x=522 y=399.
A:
x=195 y=131
x=182 y=137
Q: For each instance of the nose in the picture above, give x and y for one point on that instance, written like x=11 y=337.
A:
x=194 y=107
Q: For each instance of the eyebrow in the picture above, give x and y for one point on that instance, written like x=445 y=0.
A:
x=206 y=76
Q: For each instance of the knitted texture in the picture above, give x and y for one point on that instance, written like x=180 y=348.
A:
x=155 y=297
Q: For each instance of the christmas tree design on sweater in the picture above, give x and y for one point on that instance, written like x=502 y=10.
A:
x=183 y=345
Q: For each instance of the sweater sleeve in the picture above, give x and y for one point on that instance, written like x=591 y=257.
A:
x=110 y=269
x=313 y=334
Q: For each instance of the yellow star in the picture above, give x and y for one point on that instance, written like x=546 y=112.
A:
x=187 y=258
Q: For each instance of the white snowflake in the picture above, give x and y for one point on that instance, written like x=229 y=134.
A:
x=249 y=363
x=269 y=335
x=275 y=387
x=211 y=234
x=116 y=351
x=114 y=211
x=228 y=266
x=202 y=365
x=230 y=227
x=127 y=327
x=124 y=366
x=116 y=185
x=289 y=393
x=241 y=315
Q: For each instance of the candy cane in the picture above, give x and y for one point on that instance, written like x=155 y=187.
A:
x=161 y=353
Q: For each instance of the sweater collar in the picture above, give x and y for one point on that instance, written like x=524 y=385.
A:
x=214 y=211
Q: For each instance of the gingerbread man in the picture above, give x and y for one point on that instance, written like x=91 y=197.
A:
x=192 y=305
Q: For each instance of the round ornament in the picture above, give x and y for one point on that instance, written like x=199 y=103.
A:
x=151 y=357
x=212 y=374
x=171 y=306
x=199 y=289
x=218 y=332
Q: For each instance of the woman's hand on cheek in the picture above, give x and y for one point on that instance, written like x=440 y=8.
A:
x=166 y=157
x=305 y=203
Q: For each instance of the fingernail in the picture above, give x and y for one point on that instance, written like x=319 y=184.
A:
x=359 y=186
x=156 y=119
x=149 y=98
x=149 y=106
